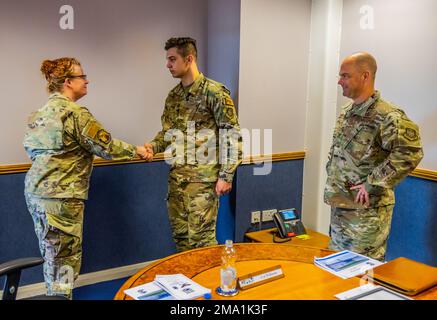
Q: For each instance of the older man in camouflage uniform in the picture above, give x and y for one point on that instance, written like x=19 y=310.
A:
x=375 y=146
x=195 y=112
x=61 y=139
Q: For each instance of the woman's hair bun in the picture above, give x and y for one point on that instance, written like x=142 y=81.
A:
x=47 y=67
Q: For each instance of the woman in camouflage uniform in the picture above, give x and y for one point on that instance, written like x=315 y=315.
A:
x=61 y=139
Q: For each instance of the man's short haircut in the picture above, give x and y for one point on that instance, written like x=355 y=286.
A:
x=185 y=46
x=365 y=61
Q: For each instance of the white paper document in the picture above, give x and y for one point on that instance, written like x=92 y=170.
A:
x=181 y=287
x=355 y=291
x=346 y=264
x=168 y=287
x=371 y=292
x=149 y=291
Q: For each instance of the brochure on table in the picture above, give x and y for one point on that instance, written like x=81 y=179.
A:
x=168 y=287
x=149 y=291
x=346 y=264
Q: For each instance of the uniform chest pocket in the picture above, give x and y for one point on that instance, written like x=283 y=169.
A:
x=175 y=116
x=200 y=113
x=359 y=144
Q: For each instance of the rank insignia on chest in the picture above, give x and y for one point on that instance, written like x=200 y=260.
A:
x=104 y=136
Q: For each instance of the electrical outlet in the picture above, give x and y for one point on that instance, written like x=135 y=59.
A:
x=268 y=214
x=255 y=217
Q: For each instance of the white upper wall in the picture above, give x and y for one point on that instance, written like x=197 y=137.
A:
x=322 y=103
x=224 y=43
x=404 y=44
x=121 y=47
x=274 y=69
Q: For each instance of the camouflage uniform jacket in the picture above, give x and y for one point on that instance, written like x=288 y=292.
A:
x=61 y=139
x=374 y=143
x=205 y=105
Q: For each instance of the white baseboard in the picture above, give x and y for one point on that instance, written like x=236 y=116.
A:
x=84 y=279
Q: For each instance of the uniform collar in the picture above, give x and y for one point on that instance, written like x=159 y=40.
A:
x=192 y=91
x=196 y=85
x=361 y=109
x=58 y=95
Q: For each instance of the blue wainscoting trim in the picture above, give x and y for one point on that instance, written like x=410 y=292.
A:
x=414 y=226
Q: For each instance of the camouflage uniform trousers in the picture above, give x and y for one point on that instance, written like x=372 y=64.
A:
x=192 y=210
x=363 y=231
x=58 y=226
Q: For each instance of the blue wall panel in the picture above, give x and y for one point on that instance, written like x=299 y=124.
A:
x=126 y=217
x=17 y=236
x=125 y=220
x=414 y=226
x=281 y=189
x=226 y=218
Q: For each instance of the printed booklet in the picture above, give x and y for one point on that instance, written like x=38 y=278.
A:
x=168 y=287
x=346 y=264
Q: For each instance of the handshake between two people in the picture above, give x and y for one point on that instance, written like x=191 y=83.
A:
x=145 y=152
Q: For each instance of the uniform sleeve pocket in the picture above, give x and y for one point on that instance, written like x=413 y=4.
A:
x=95 y=133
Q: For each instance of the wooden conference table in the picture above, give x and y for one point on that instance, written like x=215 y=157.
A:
x=302 y=281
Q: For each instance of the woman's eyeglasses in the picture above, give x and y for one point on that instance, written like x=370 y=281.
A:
x=82 y=76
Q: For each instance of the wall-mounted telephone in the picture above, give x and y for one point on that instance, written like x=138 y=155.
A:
x=288 y=223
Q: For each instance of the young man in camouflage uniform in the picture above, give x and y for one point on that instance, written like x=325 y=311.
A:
x=61 y=139
x=375 y=146
x=196 y=111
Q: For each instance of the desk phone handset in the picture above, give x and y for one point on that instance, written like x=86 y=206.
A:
x=288 y=223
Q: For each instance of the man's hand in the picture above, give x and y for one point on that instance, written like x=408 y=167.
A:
x=149 y=149
x=362 y=196
x=144 y=153
x=222 y=187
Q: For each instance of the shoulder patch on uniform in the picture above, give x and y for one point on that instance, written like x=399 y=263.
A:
x=411 y=134
x=230 y=113
x=104 y=136
x=91 y=129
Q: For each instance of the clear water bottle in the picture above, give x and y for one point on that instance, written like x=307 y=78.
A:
x=228 y=272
